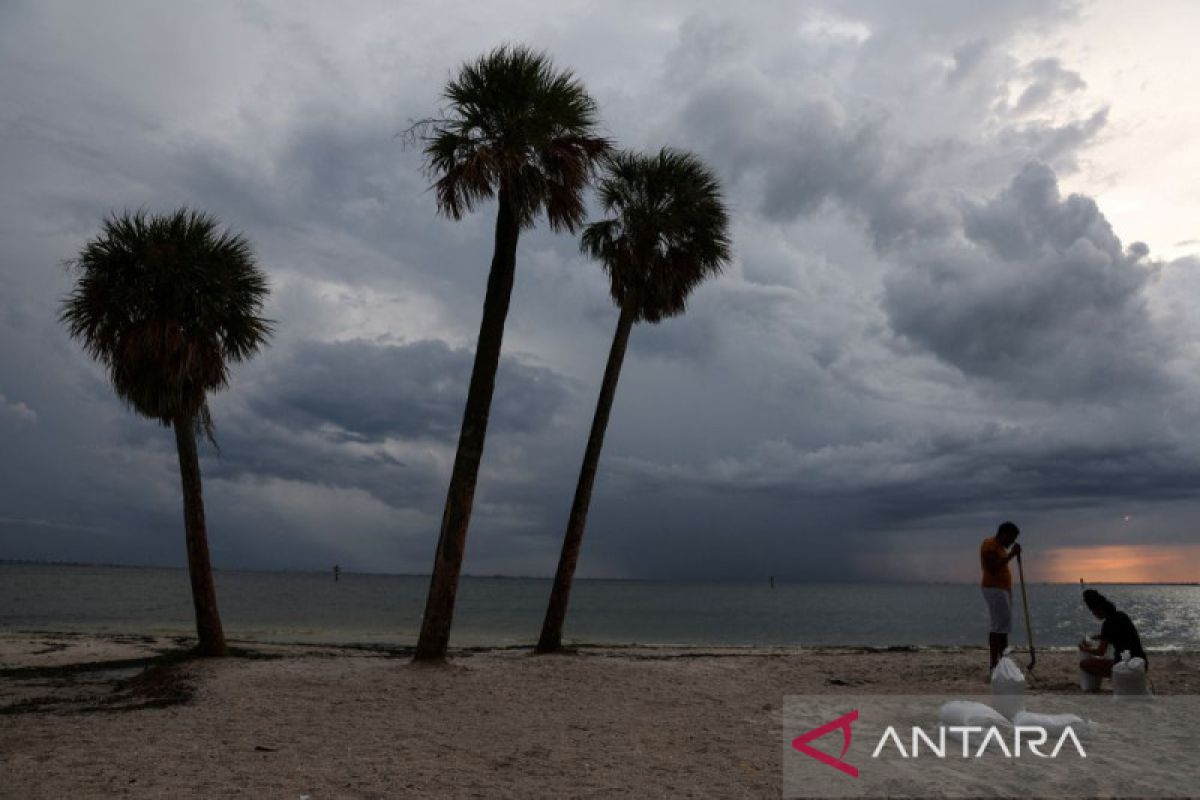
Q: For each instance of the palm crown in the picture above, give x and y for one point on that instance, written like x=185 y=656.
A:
x=668 y=232
x=517 y=124
x=166 y=303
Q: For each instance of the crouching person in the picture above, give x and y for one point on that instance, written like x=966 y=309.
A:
x=1117 y=632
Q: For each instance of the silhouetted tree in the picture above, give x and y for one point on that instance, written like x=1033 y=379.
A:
x=166 y=303
x=520 y=130
x=668 y=232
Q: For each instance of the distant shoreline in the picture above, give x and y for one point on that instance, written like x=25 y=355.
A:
x=779 y=581
x=681 y=649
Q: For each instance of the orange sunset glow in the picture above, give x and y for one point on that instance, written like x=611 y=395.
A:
x=1122 y=563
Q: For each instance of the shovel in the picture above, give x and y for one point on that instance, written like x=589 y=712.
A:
x=1025 y=605
x=1082 y=589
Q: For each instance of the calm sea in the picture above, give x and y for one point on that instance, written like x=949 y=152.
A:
x=386 y=609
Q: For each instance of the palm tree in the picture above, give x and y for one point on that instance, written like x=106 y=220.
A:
x=520 y=130
x=166 y=303
x=668 y=231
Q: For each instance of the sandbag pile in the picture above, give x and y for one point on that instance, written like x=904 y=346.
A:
x=1007 y=709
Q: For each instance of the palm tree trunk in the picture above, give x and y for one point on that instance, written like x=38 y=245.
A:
x=556 y=613
x=204 y=594
x=443 y=585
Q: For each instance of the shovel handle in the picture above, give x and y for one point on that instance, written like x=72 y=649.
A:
x=1025 y=606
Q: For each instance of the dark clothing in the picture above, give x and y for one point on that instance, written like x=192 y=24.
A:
x=1121 y=636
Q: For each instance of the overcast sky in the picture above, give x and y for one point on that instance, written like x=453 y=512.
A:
x=967 y=259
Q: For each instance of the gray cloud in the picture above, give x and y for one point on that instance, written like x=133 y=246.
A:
x=1054 y=143
x=16 y=412
x=371 y=391
x=1048 y=78
x=919 y=332
x=1041 y=297
x=968 y=58
x=805 y=151
x=955 y=469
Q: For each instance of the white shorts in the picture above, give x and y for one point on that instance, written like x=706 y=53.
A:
x=999 y=603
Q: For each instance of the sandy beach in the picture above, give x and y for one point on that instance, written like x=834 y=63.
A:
x=126 y=716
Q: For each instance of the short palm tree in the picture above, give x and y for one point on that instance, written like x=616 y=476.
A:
x=521 y=131
x=668 y=232
x=166 y=303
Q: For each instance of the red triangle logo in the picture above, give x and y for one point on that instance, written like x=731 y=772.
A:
x=842 y=723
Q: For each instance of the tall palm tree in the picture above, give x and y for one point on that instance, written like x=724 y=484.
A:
x=667 y=232
x=166 y=303
x=520 y=130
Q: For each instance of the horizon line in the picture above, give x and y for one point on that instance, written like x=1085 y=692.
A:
x=500 y=576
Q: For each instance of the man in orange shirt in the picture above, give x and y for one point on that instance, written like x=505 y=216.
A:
x=994 y=555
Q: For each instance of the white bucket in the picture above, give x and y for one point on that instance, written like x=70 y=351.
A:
x=1088 y=681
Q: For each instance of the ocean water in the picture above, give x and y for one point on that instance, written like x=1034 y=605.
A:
x=386 y=609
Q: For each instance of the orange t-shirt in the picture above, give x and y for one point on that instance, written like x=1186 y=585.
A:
x=992 y=557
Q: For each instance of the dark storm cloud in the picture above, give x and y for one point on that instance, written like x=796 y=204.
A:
x=374 y=425
x=805 y=152
x=370 y=391
x=330 y=172
x=1042 y=298
x=911 y=496
x=919 y=331
x=692 y=336
x=953 y=470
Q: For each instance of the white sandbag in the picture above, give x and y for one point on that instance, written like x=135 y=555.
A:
x=968 y=713
x=1008 y=688
x=1053 y=724
x=1088 y=681
x=1129 y=677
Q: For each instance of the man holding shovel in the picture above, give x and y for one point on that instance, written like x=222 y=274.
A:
x=994 y=555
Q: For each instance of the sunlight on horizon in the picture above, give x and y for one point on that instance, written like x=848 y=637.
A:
x=1122 y=563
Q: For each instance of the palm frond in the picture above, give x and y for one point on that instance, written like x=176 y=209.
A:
x=513 y=121
x=166 y=303
x=667 y=230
